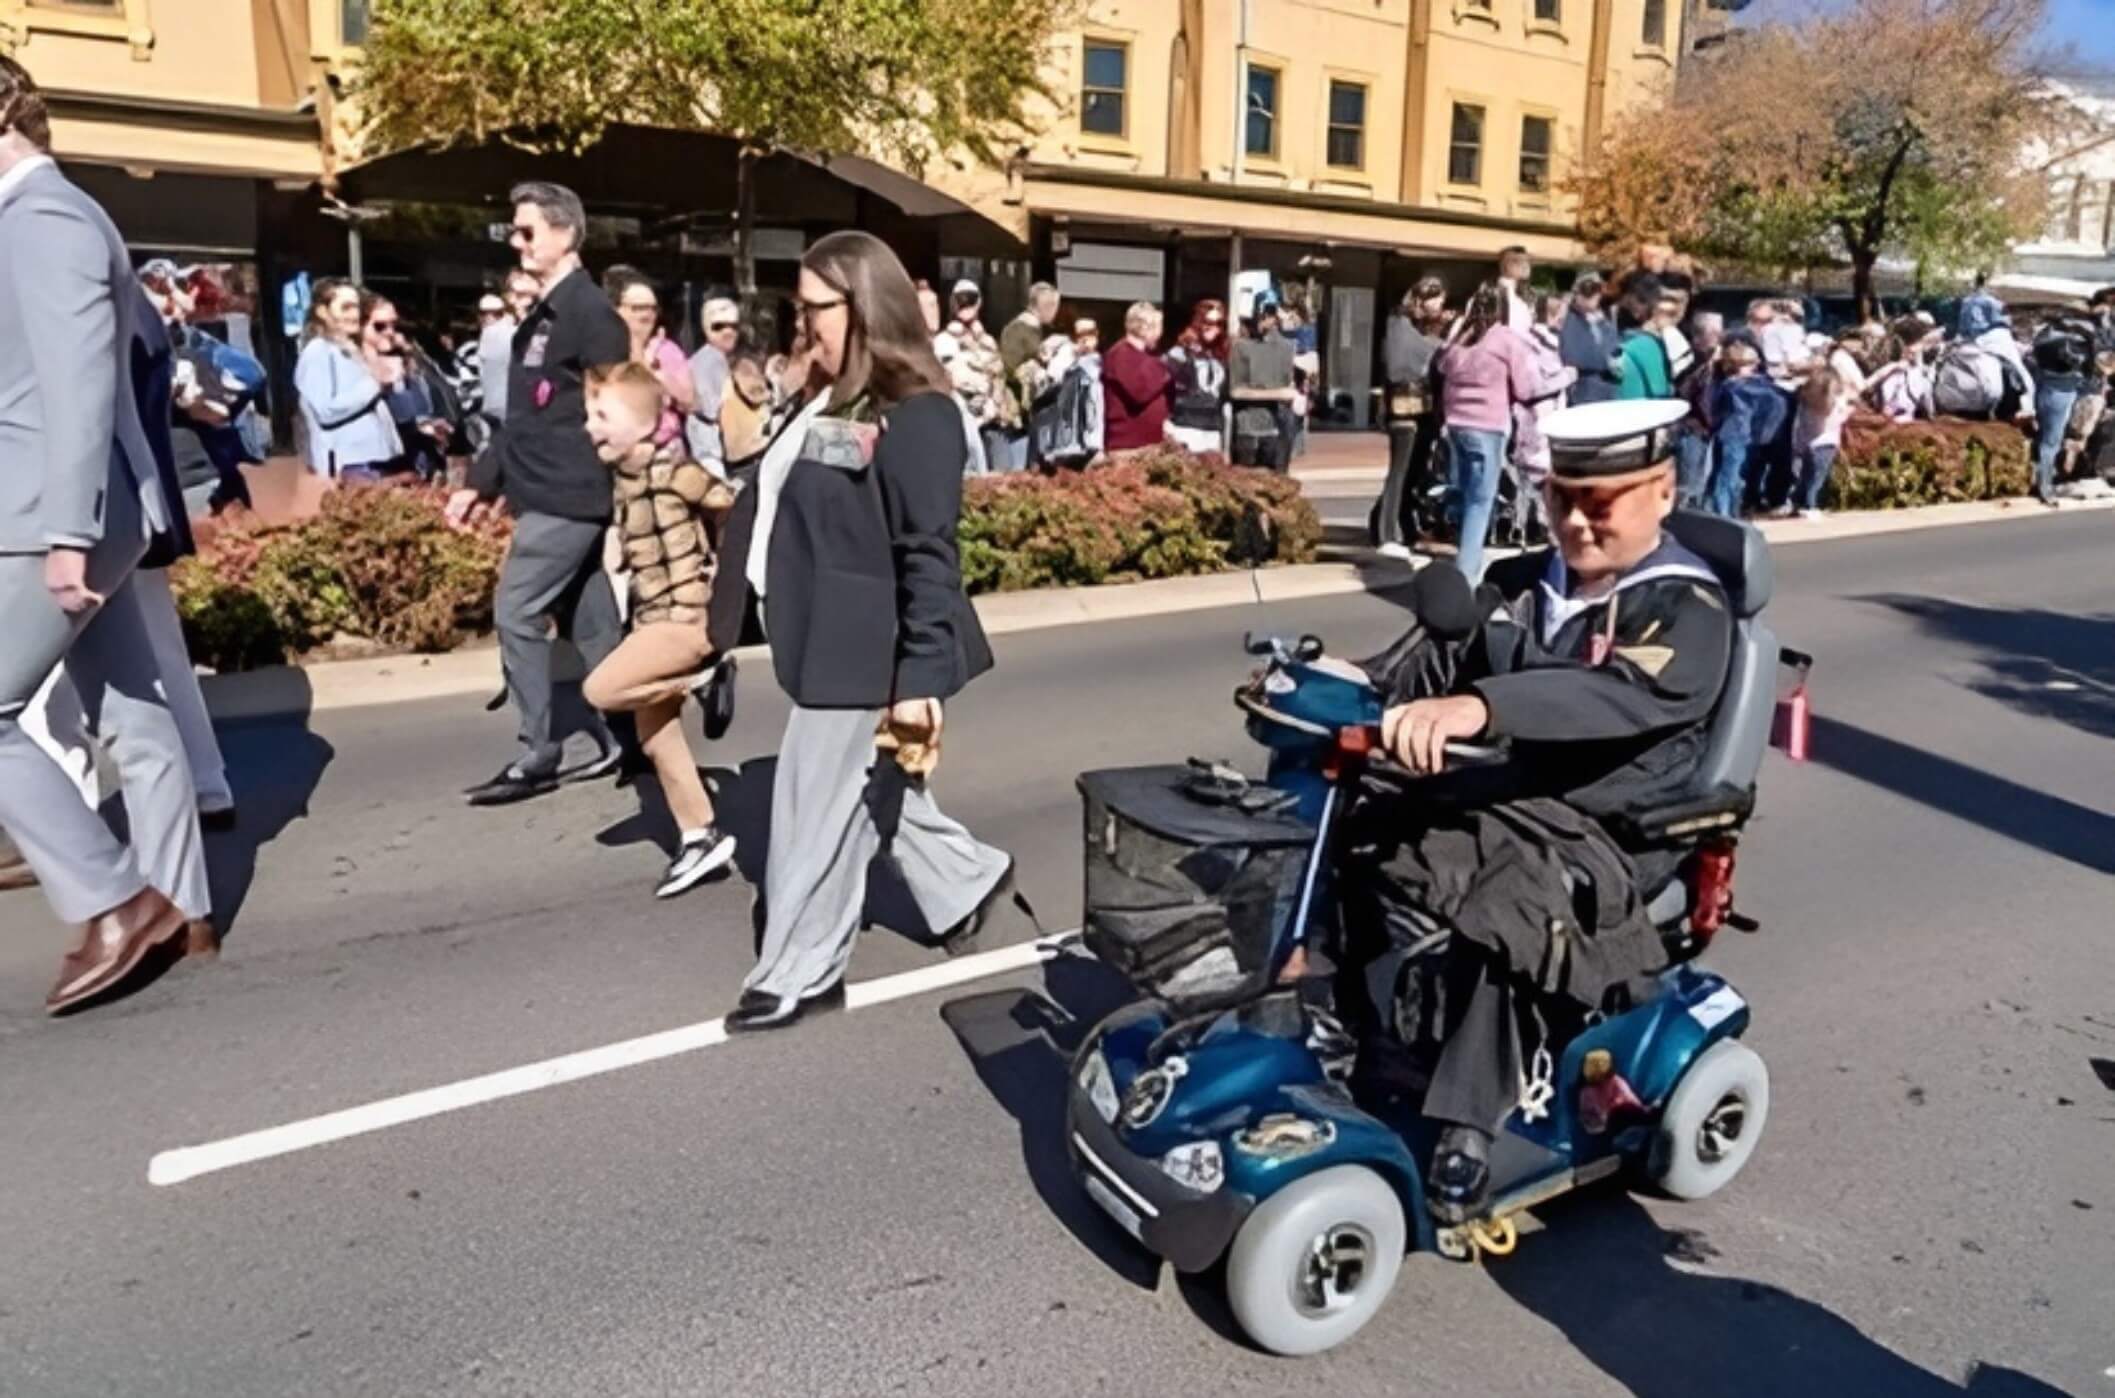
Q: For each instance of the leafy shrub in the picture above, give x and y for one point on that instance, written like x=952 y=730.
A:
x=1159 y=515
x=379 y=564
x=1896 y=466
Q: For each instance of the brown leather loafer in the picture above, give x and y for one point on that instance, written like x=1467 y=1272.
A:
x=113 y=947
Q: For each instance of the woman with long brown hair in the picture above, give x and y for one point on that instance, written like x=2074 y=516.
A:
x=847 y=539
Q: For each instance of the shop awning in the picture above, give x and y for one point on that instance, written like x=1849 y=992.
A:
x=1196 y=206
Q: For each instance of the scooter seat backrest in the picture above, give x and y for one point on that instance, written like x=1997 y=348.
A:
x=1737 y=552
x=1740 y=725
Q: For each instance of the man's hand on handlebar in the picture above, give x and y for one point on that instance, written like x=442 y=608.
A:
x=1416 y=734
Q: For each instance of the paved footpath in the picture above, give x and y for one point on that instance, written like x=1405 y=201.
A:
x=877 y=1202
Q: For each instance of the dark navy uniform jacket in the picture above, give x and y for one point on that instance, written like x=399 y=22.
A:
x=1604 y=700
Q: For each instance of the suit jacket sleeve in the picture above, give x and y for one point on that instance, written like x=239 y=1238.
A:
x=919 y=465
x=62 y=281
x=603 y=338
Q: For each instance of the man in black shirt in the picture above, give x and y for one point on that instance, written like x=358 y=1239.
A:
x=558 y=491
x=1601 y=669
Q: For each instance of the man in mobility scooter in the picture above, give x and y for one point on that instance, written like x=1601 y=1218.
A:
x=1599 y=668
x=1630 y=680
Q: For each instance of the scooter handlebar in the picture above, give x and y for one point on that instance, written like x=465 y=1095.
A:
x=1459 y=755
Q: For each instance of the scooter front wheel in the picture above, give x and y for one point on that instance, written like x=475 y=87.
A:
x=1316 y=1260
x=1713 y=1120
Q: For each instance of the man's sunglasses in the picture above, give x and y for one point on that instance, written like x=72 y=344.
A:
x=381 y=325
x=1596 y=502
x=717 y=326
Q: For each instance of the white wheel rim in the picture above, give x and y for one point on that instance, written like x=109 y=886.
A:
x=1333 y=1271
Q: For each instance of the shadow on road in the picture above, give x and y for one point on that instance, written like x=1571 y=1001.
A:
x=2048 y=823
x=1607 y=1276
x=274 y=768
x=2052 y=665
x=1021 y=1044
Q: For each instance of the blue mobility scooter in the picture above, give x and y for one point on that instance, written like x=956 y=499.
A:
x=1221 y=1118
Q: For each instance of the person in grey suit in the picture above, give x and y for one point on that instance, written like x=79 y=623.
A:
x=79 y=503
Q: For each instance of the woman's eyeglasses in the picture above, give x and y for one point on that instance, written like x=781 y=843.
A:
x=809 y=310
x=647 y=306
x=381 y=325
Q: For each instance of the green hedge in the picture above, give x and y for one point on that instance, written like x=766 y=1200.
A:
x=380 y=570
x=1897 y=466
x=378 y=567
x=1163 y=514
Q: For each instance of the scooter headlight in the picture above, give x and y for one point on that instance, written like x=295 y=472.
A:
x=1197 y=1166
x=1099 y=1085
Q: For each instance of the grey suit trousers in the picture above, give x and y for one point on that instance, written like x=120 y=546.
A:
x=823 y=837
x=553 y=570
x=83 y=869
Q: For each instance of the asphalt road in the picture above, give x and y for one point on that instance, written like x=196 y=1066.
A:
x=877 y=1202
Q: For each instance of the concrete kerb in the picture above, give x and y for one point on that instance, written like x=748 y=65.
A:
x=348 y=684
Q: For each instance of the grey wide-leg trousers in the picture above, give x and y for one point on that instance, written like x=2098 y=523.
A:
x=83 y=869
x=823 y=838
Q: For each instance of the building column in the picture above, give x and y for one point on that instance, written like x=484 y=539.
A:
x=1597 y=78
x=1416 y=83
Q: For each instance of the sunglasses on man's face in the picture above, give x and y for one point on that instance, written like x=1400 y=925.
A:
x=1596 y=502
x=521 y=233
x=381 y=325
x=720 y=326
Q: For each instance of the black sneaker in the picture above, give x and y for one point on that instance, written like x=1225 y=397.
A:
x=698 y=860
x=513 y=784
x=716 y=698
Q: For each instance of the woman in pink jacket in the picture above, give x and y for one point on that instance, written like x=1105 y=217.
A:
x=1482 y=375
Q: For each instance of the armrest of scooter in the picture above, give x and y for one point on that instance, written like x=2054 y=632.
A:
x=1720 y=808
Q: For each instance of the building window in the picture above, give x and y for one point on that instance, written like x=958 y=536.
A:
x=1347 y=125
x=1104 y=75
x=81 y=7
x=1262 y=137
x=1536 y=134
x=1465 y=149
x=1655 y=27
x=1549 y=12
x=352 y=21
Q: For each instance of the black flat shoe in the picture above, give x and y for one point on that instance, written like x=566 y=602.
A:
x=511 y=785
x=219 y=819
x=962 y=938
x=1460 y=1183
x=759 y=1010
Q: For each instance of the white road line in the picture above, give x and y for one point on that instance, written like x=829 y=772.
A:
x=189 y=1162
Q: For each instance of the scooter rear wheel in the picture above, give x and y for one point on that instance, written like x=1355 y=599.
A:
x=1316 y=1260
x=1713 y=1120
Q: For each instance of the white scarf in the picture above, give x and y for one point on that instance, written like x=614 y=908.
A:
x=771 y=479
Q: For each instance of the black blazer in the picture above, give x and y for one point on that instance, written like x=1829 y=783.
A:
x=542 y=460
x=863 y=591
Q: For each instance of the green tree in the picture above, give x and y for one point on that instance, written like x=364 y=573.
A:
x=907 y=82
x=1894 y=128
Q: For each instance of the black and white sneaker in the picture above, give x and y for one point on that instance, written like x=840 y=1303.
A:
x=702 y=856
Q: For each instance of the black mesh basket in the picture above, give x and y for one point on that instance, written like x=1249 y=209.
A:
x=1187 y=883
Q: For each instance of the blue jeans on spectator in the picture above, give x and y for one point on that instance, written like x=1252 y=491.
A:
x=1729 y=478
x=1773 y=484
x=1815 y=460
x=2052 y=413
x=1692 y=469
x=1479 y=459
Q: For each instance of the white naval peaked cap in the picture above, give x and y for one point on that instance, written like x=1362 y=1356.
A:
x=1609 y=443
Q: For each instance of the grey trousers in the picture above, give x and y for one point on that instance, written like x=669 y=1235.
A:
x=553 y=570
x=822 y=840
x=83 y=869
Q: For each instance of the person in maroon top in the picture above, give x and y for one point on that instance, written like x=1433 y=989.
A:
x=1135 y=385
